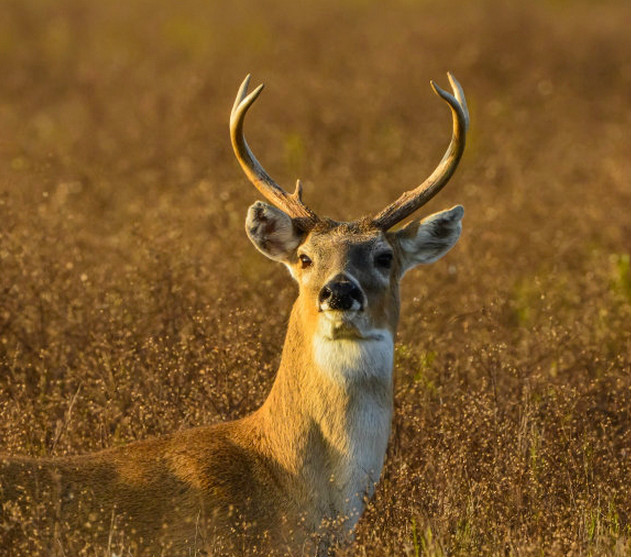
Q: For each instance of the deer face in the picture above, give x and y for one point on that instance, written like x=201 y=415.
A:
x=349 y=273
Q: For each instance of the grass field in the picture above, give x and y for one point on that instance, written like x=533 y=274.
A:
x=132 y=303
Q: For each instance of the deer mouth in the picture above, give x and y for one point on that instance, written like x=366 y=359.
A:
x=342 y=317
x=344 y=329
x=341 y=331
x=345 y=325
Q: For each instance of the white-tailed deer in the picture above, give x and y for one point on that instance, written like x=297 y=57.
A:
x=293 y=477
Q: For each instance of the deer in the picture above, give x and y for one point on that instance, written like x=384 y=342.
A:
x=293 y=477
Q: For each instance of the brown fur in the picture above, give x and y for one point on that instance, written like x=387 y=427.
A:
x=170 y=493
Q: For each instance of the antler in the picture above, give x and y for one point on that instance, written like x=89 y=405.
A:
x=290 y=203
x=411 y=200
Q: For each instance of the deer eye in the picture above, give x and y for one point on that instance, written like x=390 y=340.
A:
x=384 y=260
x=305 y=261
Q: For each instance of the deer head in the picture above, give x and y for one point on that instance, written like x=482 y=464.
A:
x=349 y=272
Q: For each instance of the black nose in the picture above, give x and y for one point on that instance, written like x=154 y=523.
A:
x=340 y=293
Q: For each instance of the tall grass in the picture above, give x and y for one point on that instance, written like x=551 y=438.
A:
x=131 y=303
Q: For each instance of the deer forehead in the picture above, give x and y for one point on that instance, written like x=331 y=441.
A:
x=339 y=249
x=345 y=243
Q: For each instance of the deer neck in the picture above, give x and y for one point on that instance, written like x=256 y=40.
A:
x=327 y=418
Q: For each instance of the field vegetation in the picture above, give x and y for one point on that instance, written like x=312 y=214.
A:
x=132 y=304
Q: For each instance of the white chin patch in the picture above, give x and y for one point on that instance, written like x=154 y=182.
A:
x=348 y=356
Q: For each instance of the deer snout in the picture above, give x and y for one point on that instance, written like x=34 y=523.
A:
x=341 y=293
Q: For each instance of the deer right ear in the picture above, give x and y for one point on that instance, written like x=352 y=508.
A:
x=272 y=231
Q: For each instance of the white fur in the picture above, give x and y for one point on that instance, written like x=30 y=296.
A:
x=364 y=369
x=353 y=358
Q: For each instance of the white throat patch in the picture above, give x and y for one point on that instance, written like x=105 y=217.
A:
x=361 y=443
x=355 y=359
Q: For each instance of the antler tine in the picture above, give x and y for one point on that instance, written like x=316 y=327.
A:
x=290 y=203
x=411 y=200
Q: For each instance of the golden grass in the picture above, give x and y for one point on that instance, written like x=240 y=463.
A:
x=131 y=303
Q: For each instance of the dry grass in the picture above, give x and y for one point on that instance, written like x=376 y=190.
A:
x=131 y=303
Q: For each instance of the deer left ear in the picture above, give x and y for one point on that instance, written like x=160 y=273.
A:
x=272 y=231
x=426 y=241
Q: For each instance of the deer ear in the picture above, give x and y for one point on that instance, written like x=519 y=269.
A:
x=428 y=240
x=272 y=231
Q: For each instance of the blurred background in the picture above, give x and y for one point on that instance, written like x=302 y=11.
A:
x=132 y=304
